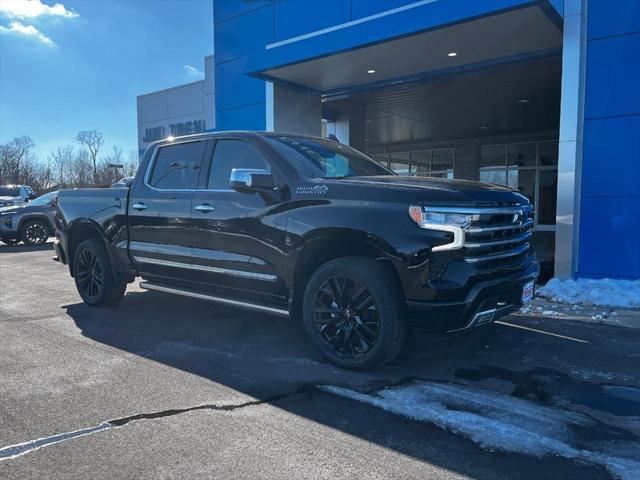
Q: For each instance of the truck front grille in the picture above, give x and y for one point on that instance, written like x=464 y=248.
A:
x=498 y=237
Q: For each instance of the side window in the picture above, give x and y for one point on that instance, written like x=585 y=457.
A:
x=230 y=154
x=177 y=166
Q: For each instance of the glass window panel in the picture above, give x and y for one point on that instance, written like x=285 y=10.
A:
x=493 y=156
x=420 y=163
x=494 y=175
x=525 y=181
x=547 y=195
x=230 y=154
x=522 y=154
x=548 y=153
x=442 y=160
x=400 y=163
x=177 y=166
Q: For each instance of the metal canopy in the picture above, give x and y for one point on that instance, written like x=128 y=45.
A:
x=508 y=35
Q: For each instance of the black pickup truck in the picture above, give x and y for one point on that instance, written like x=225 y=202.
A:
x=304 y=227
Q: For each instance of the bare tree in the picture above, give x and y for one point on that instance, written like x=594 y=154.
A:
x=79 y=174
x=92 y=140
x=13 y=157
x=62 y=160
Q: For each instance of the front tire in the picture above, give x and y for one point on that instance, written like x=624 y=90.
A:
x=352 y=312
x=35 y=232
x=94 y=277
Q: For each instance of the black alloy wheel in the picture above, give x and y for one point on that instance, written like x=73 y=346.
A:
x=346 y=317
x=35 y=232
x=97 y=283
x=90 y=275
x=353 y=312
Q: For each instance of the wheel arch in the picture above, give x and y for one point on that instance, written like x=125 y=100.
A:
x=35 y=216
x=78 y=232
x=325 y=246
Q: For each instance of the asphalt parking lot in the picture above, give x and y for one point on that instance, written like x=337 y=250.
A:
x=172 y=387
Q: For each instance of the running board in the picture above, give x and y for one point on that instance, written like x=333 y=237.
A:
x=212 y=298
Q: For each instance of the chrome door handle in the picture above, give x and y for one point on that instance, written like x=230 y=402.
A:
x=139 y=206
x=204 y=208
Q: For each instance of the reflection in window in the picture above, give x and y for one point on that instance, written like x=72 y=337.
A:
x=423 y=163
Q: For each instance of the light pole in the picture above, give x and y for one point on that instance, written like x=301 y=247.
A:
x=115 y=166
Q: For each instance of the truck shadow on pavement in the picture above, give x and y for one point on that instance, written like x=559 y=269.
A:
x=270 y=359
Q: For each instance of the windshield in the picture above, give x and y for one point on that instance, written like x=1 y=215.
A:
x=43 y=199
x=317 y=158
x=9 y=191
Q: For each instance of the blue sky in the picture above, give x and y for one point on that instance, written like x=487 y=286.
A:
x=77 y=65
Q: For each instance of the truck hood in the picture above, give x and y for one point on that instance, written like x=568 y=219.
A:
x=2 y=199
x=437 y=191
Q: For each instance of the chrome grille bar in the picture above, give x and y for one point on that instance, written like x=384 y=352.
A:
x=497 y=228
x=491 y=243
x=496 y=256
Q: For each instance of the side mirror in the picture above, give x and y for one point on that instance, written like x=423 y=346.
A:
x=32 y=196
x=251 y=180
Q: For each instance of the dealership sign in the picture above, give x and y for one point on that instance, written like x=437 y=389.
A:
x=175 y=129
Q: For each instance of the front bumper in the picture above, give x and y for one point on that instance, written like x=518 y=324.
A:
x=486 y=301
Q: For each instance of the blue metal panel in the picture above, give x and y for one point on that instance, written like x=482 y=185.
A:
x=248 y=117
x=293 y=17
x=427 y=15
x=234 y=88
x=609 y=232
x=240 y=35
x=558 y=5
x=611 y=158
x=613 y=76
x=363 y=8
x=225 y=9
x=608 y=18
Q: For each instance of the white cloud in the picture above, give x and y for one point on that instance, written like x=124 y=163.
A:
x=192 y=71
x=27 y=31
x=33 y=9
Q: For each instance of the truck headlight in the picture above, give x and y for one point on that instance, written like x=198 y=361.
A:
x=444 y=221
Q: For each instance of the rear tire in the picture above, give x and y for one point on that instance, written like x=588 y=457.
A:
x=94 y=276
x=35 y=232
x=353 y=313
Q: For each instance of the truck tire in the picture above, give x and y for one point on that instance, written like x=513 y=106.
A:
x=94 y=277
x=353 y=313
x=35 y=232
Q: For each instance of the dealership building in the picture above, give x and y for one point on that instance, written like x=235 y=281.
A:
x=182 y=110
x=540 y=95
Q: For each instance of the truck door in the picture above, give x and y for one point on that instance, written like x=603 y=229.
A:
x=160 y=211
x=238 y=238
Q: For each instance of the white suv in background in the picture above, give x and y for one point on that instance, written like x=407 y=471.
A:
x=12 y=195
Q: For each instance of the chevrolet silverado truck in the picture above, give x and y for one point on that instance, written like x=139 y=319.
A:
x=308 y=228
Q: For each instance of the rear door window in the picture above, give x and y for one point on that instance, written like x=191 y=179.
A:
x=177 y=167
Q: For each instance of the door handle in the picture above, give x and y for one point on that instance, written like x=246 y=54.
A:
x=204 y=208
x=139 y=206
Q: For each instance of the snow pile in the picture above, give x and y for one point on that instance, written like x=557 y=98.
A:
x=613 y=293
x=495 y=421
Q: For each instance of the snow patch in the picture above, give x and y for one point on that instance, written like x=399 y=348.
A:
x=494 y=421
x=606 y=291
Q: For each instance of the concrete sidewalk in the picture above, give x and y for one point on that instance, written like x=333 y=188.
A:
x=621 y=317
